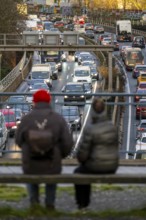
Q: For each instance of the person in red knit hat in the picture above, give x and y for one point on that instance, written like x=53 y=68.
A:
x=41 y=95
x=45 y=139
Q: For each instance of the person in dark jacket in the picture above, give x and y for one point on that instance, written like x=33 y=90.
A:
x=43 y=115
x=98 y=150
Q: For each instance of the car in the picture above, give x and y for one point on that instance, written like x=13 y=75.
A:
x=29 y=98
x=64 y=57
x=89 y=63
x=76 y=56
x=37 y=86
x=71 y=97
x=54 y=29
x=54 y=69
x=116 y=45
x=98 y=29
x=82 y=74
x=47 y=25
x=142 y=85
x=87 y=90
x=18 y=113
x=101 y=36
x=133 y=56
x=69 y=27
x=85 y=56
x=141 y=109
x=81 y=41
x=140 y=93
x=31 y=82
x=13 y=100
x=141 y=127
x=10 y=120
x=73 y=116
x=141 y=77
x=106 y=41
x=94 y=73
x=140 y=147
x=138 y=41
x=89 y=33
x=137 y=70
x=58 y=24
x=89 y=26
x=123 y=49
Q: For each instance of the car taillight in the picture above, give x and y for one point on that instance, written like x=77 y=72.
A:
x=140 y=129
x=137 y=98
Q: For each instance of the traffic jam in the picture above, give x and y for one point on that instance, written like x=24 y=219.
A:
x=66 y=73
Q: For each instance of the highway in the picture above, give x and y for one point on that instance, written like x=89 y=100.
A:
x=130 y=122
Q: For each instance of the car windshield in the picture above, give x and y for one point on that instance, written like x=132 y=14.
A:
x=40 y=75
x=74 y=88
x=93 y=70
x=40 y=86
x=134 y=55
x=9 y=117
x=143 y=125
x=144 y=140
x=82 y=73
x=16 y=99
x=69 y=112
x=33 y=81
x=141 y=154
x=141 y=68
x=142 y=85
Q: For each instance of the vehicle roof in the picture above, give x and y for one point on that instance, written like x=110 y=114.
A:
x=74 y=83
x=133 y=49
x=142 y=73
x=69 y=107
x=82 y=67
x=138 y=65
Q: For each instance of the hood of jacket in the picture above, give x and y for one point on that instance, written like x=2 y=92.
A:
x=97 y=117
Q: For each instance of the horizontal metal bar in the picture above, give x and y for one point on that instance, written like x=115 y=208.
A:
x=56 y=48
x=74 y=178
x=82 y=93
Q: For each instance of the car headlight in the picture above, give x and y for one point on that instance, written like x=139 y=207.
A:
x=58 y=64
x=47 y=80
x=82 y=96
x=77 y=120
x=65 y=96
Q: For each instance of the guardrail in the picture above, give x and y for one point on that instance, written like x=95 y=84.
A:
x=111 y=27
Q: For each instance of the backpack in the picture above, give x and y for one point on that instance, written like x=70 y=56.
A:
x=41 y=142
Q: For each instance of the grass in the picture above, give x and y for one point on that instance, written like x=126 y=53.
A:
x=39 y=211
x=17 y=193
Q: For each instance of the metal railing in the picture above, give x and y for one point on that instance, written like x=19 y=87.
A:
x=116 y=104
x=11 y=77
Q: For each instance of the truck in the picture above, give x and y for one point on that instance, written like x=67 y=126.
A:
x=42 y=71
x=124 y=30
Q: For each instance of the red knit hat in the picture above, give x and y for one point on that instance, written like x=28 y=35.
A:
x=41 y=95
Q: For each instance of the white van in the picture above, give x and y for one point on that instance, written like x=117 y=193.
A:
x=42 y=71
x=140 y=147
x=82 y=74
x=3 y=132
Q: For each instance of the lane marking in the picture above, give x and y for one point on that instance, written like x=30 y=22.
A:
x=85 y=121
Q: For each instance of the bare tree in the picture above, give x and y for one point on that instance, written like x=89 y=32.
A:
x=10 y=18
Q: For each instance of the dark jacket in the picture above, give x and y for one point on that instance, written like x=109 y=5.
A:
x=62 y=140
x=98 y=149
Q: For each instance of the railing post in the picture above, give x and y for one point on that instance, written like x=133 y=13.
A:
x=110 y=72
